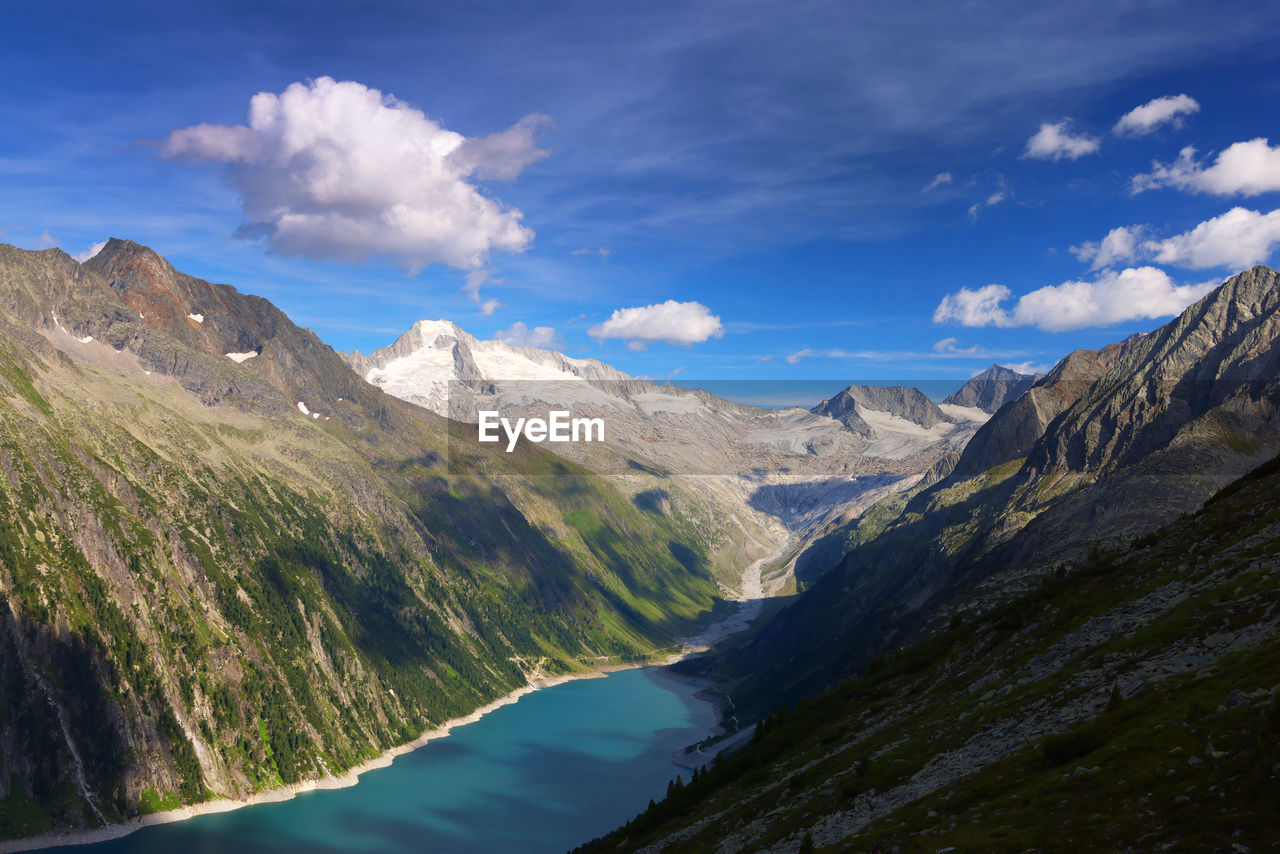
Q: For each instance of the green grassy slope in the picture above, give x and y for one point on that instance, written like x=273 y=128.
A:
x=202 y=601
x=1130 y=702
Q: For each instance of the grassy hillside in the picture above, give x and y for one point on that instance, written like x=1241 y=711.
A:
x=206 y=594
x=1129 y=702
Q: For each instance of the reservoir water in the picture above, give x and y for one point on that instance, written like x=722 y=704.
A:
x=558 y=768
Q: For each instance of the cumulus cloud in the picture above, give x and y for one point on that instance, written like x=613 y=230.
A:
x=90 y=252
x=951 y=345
x=683 y=323
x=1167 y=110
x=1248 y=168
x=340 y=171
x=520 y=335
x=1131 y=294
x=1118 y=247
x=939 y=180
x=1054 y=142
x=1238 y=238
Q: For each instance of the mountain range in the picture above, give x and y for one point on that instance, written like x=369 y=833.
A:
x=1078 y=620
x=234 y=560
x=231 y=564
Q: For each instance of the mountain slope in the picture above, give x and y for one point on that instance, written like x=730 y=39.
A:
x=221 y=576
x=1146 y=442
x=1129 y=703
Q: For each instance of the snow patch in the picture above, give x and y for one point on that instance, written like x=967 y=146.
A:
x=198 y=318
x=315 y=415
x=241 y=357
x=302 y=407
x=86 y=339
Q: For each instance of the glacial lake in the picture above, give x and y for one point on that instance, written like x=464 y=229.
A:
x=563 y=765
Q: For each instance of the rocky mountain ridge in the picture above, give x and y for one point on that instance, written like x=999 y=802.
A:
x=780 y=474
x=992 y=389
x=1144 y=431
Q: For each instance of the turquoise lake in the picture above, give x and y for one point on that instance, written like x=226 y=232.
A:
x=558 y=768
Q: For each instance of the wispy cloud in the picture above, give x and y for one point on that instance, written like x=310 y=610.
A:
x=1159 y=111
x=939 y=180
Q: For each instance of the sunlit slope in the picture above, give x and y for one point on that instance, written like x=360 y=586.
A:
x=208 y=592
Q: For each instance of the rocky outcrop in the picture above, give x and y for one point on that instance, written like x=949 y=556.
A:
x=1014 y=429
x=1108 y=447
x=992 y=388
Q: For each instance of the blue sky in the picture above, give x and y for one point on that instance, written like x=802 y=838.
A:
x=708 y=190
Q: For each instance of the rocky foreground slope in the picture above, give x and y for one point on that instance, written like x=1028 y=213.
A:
x=228 y=564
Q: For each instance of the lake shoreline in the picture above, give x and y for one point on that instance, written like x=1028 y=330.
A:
x=349 y=778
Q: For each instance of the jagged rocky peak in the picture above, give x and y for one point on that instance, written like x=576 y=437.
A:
x=992 y=388
x=853 y=405
x=1219 y=358
x=1014 y=429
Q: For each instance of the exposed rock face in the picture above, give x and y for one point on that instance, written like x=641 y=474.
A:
x=1014 y=429
x=1109 y=446
x=899 y=401
x=992 y=388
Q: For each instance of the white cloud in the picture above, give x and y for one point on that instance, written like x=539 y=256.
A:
x=46 y=240
x=1248 y=168
x=520 y=335
x=502 y=155
x=682 y=323
x=90 y=252
x=974 y=307
x=1028 y=367
x=951 y=345
x=939 y=180
x=1146 y=118
x=1119 y=246
x=1238 y=238
x=475 y=279
x=795 y=357
x=601 y=251
x=337 y=170
x=1131 y=294
x=1054 y=142
x=995 y=197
